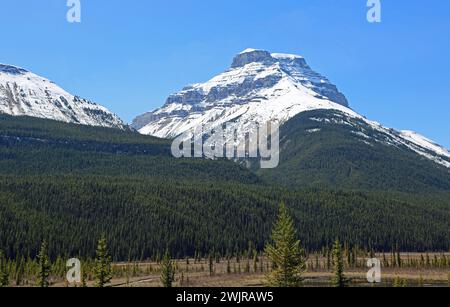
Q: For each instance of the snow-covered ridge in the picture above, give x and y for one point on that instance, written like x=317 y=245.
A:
x=250 y=50
x=400 y=139
x=286 y=56
x=424 y=142
x=25 y=93
x=12 y=69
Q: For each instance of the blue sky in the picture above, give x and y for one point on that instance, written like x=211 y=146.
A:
x=130 y=55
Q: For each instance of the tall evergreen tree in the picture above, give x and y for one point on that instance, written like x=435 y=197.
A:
x=285 y=253
x=102 y=269
x=211 y=264
x=4 y=275
x=255 y=262
x=167 y=271
x=44 y=266
x=20 y=270
x=339 y=279
x=83 y=278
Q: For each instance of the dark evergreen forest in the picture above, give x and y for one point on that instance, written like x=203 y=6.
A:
x=69 y=184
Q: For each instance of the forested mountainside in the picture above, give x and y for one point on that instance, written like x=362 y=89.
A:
x=326 y=148
x=69 y=184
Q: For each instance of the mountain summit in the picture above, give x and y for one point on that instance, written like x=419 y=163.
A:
x=258 y=86
x=261 y=86
x=27 y=94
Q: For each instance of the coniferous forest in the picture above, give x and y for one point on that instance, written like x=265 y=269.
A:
x=69 y=185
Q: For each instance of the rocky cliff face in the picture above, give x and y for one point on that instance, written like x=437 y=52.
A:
x=251 y=56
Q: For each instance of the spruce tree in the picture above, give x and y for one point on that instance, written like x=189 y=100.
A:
x=255 y=262
x=20 y=270
x=4 y=275
x=396 y=282
x=285 y=253
x=211 y=265
x=328 y=258
x=83 y=278
x=44 y=266
x=339 y=279
x=167 y=271
x=102 y=269
x=399 y=260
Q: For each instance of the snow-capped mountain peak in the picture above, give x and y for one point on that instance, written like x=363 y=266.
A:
x=25 y=93
x=276 y=84
x=259 y=87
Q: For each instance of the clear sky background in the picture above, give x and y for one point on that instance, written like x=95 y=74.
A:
x=130 y=55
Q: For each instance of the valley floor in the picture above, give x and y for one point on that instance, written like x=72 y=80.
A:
x=431 y=278
x=248 y=273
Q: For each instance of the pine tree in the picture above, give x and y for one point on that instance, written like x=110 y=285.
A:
x=285 y=253
x=255 y=262
x=211 y=264
x=102 y=269
x=44 y=266
x=182 y=280
x=339 y=279
x=20 y=270
x=4 y=275
x=83 y=278
x=328 y=258
x=428 y=261
x=247 y=267
x=396 y=282
x=399 y=260
x=399 y=283
x=167 y=271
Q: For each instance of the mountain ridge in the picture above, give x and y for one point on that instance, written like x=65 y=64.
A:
x=25 y=93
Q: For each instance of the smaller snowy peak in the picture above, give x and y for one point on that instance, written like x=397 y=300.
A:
x=23 y=93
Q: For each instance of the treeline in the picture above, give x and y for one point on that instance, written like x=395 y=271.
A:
x=283 y=261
